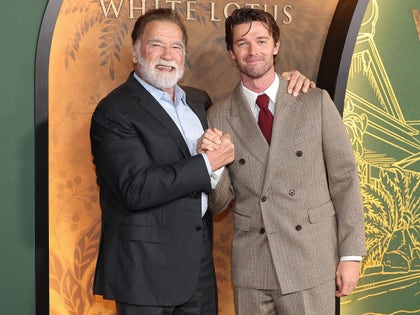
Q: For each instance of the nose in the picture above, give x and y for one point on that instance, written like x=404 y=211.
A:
x=252 y=49
x=166 y=52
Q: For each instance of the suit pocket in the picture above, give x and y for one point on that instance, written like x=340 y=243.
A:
x=241 y=222
x=142 y=233
x=320 y=213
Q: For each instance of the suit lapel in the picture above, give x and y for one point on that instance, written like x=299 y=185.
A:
x=246 y=128
x=284 y=129
x=194 y=104
x=149 y=103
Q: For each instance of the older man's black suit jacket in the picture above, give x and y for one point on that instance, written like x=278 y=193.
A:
x=150 y=195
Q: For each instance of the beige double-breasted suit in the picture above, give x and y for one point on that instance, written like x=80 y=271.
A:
x=298 y=204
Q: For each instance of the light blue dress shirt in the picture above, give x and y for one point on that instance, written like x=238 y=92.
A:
x=186 y=120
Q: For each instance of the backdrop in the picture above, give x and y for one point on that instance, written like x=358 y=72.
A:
x=90 y=55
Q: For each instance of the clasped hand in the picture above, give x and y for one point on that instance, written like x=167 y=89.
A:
x=217 y=146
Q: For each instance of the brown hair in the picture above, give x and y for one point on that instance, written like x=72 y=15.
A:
x=249 y=15
x=164 y=15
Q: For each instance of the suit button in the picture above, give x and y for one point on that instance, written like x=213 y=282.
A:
x=262 y=231
x=291 y=192
x=198 y=228
x=242 y=161
x=263 y=199
x=299 y=153
x=298 y=227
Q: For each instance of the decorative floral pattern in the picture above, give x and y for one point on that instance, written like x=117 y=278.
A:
x=90 y=55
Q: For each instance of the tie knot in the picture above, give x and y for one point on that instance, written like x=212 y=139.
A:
x=262 y=101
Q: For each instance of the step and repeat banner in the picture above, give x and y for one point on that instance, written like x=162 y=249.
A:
x=90 y=54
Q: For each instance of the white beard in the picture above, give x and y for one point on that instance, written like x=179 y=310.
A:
x=160 y=80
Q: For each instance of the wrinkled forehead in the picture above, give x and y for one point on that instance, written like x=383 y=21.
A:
x=165 y=31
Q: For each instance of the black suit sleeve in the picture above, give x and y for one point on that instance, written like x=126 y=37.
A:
x=140 y=164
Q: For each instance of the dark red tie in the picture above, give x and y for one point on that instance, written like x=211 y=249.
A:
x=265 y=118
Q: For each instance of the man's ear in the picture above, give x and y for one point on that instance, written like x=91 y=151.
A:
x=232 y=55
x=134 y=58
x=276 y=48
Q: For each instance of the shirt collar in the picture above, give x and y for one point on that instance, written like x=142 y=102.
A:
x=179 y=93
x=271 y=92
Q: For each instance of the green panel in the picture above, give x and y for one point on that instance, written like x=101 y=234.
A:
x=382 y=115
x=399 y=44
x=19 y=25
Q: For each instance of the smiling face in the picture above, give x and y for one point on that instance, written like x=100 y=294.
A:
x=253 y=51
x=159 y=55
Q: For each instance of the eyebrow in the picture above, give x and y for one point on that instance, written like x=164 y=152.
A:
x=157 y=40
x=258 y=38
x=263 y=37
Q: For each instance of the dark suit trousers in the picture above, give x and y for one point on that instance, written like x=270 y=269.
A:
x=204 y=298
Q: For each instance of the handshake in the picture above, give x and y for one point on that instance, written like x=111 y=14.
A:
x=217 y=146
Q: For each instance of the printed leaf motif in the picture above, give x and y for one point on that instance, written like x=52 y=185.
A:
x=86 y=250
x=392 y=220
x=55 y=272
x=73 y=190
x=111 y=40
x=71 y=291
x=89 y=287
